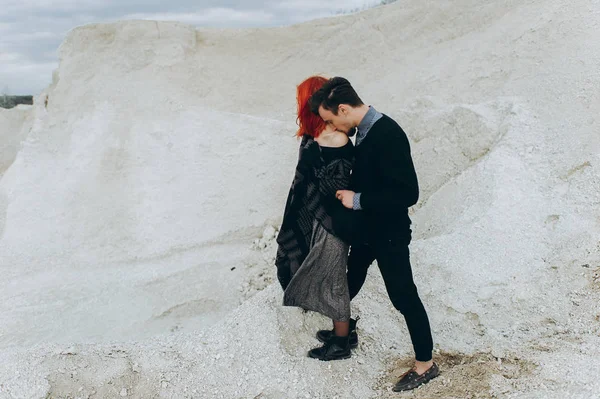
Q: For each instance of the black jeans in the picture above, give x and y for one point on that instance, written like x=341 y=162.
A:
x=393 y=258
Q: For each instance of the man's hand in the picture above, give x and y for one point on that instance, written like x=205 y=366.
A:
x=347 y=198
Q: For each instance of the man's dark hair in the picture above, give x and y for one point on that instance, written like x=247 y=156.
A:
x=333 y=93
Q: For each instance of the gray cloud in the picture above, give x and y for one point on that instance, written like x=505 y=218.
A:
x=31 y=31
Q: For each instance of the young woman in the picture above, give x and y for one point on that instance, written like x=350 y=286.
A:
x=311 y=258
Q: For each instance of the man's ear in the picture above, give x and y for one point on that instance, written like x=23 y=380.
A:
x=343 y=109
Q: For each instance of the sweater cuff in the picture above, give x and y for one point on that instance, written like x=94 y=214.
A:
x=356 y=202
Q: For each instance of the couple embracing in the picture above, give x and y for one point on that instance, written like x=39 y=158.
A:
x=347 y=207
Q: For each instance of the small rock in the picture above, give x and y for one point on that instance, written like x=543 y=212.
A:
x=269 y=233
x=123 y=392
x=69 y=351
x=497 y=353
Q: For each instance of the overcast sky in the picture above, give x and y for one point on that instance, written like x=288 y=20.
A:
x=32 y=30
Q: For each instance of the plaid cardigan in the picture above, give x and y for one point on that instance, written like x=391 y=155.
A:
x=311 y=197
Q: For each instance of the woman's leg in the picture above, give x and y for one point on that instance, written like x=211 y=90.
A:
x=341 y=328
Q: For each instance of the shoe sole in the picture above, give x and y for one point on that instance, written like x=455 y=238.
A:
x=329 y=359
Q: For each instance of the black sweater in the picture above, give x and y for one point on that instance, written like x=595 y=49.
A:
x=385 y=176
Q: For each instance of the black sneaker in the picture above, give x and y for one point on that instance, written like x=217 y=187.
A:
x=411 y=380
x=336 y=348
x=324 y=335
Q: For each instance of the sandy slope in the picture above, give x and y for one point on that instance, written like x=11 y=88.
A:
x=164 y=151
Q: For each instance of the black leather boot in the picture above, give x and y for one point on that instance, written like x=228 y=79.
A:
x=336 y=348
x=324 y=335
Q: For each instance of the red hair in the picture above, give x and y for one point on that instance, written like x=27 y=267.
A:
x=308 y=122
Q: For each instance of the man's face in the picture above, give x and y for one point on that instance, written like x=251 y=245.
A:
x=340 y=122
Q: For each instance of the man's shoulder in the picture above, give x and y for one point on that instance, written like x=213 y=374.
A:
x=387 y=121
x=386 y=127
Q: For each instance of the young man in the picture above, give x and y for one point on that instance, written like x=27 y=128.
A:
x=384 y=185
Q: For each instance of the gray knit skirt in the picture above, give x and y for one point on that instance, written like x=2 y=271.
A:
x=320 y=283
